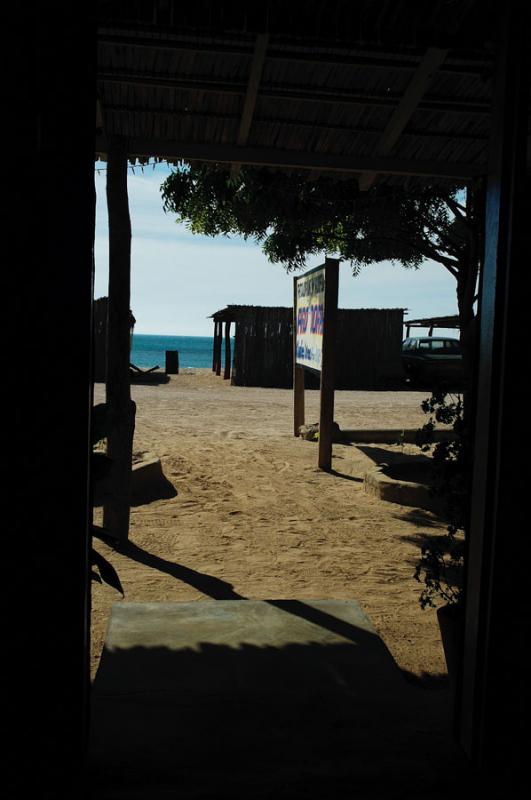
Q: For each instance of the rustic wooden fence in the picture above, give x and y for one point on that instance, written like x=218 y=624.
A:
x=263 y=348
x=368 y=347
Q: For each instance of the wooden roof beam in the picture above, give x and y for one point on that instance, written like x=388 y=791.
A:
x=294 y=123
x=298 y=160
x=414 y=93
x=463 y=105
x=377 y=58
x=251 y=94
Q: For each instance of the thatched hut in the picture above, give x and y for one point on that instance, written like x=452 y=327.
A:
x=368 y=347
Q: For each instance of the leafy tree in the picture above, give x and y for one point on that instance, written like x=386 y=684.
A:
x=293 y=217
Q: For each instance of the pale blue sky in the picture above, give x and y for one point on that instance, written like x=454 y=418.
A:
x=178 y=279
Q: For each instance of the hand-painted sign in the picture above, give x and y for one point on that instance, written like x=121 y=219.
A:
x=309 y=318
x=314 y=339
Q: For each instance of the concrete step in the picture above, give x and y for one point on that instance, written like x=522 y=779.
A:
x=241 y=698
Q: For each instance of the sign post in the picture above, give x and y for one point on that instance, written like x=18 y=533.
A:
x=298 y=372
x=314 y=330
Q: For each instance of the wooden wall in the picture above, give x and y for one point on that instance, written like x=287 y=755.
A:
x=263 y=349
x=368 y=349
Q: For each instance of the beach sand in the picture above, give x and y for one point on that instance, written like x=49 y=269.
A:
x=253 y=517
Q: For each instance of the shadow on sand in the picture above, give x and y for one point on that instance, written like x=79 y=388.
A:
x=281 y=716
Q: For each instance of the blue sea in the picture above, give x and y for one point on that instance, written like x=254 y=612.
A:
x=194 y=351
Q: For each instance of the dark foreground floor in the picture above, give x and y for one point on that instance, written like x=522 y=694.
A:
x=263 y=699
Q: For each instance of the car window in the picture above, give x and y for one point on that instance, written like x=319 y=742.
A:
x=437 y=344
x=425 y=344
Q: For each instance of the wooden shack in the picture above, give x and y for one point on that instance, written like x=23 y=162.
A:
x=368 y=347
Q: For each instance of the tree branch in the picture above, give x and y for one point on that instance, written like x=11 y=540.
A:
x=425 y=247
x=450 y=244
x=457 y=209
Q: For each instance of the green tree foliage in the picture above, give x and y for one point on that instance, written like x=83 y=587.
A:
x=293 y=217
x=441 y=565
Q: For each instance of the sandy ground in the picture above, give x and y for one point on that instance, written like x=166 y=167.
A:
x=253 y=517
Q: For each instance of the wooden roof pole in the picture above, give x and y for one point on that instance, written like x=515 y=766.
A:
x=120 y=408
x=293 y=159
x=217 y=345
x=226 y=374
x=416 y=89
x=251 y=95
x=214 y=346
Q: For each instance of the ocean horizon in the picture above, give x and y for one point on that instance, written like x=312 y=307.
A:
x=149 y=350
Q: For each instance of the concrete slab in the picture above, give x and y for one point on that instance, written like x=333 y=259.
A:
x=340 y=645
x=405 y=493
x=241 y=698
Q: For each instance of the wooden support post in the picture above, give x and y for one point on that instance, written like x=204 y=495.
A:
x=214 y=347
x=226 y=374
x=298 y=373
x=219 y=338
x=251 y=95
x=298 y=398
x=326 y=417
x=412 y=96
x=219 y=344
x=121 y=410
x=234 y=370
x=491 y=710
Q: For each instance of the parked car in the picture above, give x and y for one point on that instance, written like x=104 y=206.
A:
x=432 y=360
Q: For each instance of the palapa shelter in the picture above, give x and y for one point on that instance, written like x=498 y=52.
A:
x=368 y=347
x=262 y=345
x=397 y=93
x=432 y=323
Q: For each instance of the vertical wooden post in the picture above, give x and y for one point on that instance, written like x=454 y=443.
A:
x=120 y=408
x=298 y=373
x=219 y=338
x=214 y=347
x=226 y=374
x=491 y=713
x=326 y=416
x=234 y=370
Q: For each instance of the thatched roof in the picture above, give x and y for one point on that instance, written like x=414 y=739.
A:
x=401 y=89
x=233 y=313
x=434 y=322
